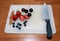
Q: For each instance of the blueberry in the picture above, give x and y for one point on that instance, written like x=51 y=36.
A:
x=25 y=22
x=19 y=28
x=16 y=26
x=23 y=9
x=13 y=23
x=26 y=11
x=29 y=14
x=13 y=26
x=19 y=24
x=31 y=10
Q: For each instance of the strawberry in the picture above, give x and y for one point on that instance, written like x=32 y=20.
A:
x=22 y=18
x=18 y=13
x=25 y=16
x=14 y=17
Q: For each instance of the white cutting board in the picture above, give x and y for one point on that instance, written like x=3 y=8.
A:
x=35 y=25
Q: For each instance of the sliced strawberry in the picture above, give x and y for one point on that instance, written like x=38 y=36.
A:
x=18 y=13
x=22 y=18
x=25 y=16
x=14 y=17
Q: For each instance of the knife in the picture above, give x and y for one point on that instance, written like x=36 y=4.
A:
x=45 y=16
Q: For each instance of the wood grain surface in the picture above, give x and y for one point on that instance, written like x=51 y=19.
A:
x=4 y=8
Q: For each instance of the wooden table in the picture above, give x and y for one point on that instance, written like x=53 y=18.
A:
x=4 y=8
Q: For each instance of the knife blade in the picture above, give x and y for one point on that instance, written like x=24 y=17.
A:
x=45 y=16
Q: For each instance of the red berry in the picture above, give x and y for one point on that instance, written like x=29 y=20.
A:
x=18 y=13
x=14 y=17
x=25 y=16
x=22 y=18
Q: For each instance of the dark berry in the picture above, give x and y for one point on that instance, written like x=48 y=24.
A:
x=26 y=11
x=16 y=26
x=23 y=9
x=31 y=10
x=19 y=24
x=25 y=22
x=19 y=28
x=29 y=14
x=13 y=23
x=13 y=26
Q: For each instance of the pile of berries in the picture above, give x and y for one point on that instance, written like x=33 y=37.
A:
x=22 y=17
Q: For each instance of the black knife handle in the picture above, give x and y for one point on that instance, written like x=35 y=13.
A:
x=48 y=29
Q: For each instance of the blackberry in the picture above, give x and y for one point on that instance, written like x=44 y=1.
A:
x=25 y=22
x=13 y=24
x=31 y=10
x=19 y=28
x=26 y=11
x=16 y=26
x=19 y=24
x=29 y=14
x=23 y=9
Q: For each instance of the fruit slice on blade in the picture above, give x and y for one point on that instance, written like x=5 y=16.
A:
x=18 y=13
x=14 y=17
x=22 y=18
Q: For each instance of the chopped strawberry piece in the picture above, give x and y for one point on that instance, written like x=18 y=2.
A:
x=14 y=17
x=25 y=16
x=18 y=13
x=22 y=18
